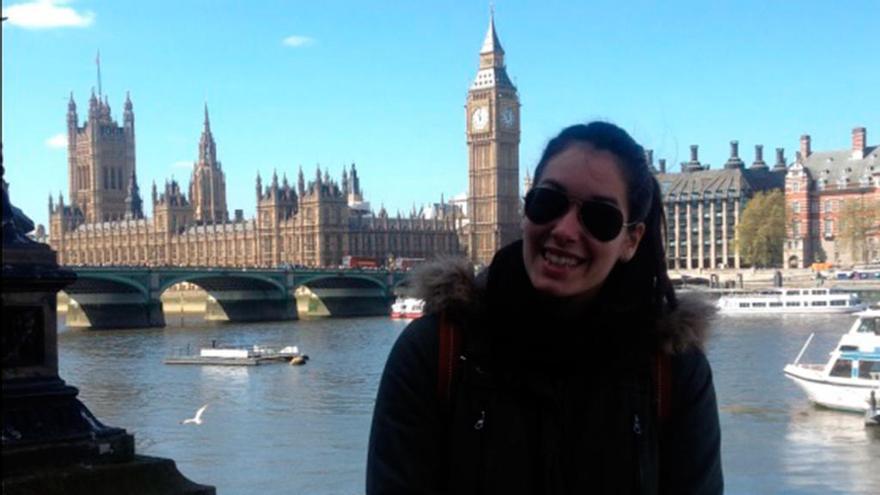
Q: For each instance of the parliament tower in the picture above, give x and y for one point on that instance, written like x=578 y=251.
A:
x=207 y=190
x=493 y=132
x=100 y=160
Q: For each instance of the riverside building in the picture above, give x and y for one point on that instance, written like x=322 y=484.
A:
x=493 y=135
x=311 y=224
x=818 y=187
x=314 y=223
x=703 y=206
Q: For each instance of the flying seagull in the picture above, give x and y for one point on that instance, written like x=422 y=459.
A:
x=197 y=419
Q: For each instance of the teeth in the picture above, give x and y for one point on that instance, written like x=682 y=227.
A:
x=560 y=260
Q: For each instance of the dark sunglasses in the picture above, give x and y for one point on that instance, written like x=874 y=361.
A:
x=602 y=220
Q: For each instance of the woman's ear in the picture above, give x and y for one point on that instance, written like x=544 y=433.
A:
x=633 y=236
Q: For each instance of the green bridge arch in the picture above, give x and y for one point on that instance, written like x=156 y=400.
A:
x=124 y=297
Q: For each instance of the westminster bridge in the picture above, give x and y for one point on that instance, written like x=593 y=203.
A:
x=130 y=297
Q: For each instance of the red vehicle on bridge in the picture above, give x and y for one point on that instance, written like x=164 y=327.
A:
x=359 y=262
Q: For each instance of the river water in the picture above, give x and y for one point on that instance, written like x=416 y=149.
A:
x=279 y=429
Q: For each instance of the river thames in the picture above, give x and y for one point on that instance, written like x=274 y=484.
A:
x=279 y=429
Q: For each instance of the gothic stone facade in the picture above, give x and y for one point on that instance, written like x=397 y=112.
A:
x=314 y=225
x=311 y=225
x=493 y=134
x=101 y=160
x=818 y=187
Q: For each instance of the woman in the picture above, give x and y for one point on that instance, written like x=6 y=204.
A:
x=578 y=369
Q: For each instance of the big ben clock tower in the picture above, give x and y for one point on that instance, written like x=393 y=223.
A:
x=493 y=155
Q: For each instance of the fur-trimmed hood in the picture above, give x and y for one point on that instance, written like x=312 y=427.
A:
x=450 y=286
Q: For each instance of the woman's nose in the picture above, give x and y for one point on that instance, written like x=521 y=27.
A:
x=568 y=227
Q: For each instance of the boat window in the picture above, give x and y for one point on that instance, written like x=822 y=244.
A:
x=819 y=303
x=792 y=303
x=759 y=305
x=775 y=304
x=869 y=369
x=843 y=367
x=794 y=292
x=744 y=305
x=838 y=302
x=869 y=325
x=818 y=291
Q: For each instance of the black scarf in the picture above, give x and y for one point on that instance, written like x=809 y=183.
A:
x=523 y=322
x=565 y=370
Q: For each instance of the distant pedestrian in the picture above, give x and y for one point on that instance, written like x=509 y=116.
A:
x=569 y=365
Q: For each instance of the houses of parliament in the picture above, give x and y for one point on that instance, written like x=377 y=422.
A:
x=314 y=222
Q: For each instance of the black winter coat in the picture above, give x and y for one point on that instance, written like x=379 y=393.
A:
x=540 y=404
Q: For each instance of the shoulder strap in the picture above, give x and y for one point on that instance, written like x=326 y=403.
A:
x=662 y=371
x=449 y=350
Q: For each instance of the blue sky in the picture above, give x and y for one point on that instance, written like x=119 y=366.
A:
x=383 y=83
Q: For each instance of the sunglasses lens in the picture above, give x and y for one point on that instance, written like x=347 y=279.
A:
x=602 y=220
x=544 y=205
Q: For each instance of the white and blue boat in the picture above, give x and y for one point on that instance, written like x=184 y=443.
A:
x=851 y=374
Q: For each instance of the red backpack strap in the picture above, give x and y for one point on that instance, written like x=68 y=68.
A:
x=449 y=349
x=662 y=371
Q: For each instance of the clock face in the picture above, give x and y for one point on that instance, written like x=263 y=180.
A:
x=507 y=117
x=480 y=118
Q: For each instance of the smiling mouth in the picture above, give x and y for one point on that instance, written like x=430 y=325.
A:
x=562 y=259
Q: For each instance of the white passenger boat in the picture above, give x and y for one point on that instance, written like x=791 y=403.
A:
x=784 y=300
x=407 y=308
x=846 y=381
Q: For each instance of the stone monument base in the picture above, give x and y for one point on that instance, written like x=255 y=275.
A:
x=141 y=475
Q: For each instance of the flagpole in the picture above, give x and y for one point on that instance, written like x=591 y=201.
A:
x=98 y=63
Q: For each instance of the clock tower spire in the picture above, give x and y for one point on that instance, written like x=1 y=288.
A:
x=493 y=133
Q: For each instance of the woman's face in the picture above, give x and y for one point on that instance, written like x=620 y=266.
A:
x=562 y=258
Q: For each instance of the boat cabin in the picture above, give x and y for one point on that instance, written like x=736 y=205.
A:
x=856 y=356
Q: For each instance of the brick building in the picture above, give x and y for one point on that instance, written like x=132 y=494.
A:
x=818 y=187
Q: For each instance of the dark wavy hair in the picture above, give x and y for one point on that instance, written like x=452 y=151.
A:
x=643 y=282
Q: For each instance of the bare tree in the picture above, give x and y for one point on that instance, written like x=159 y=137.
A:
x=857 y=218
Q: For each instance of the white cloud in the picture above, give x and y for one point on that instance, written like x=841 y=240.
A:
x=44 y=14
x=57 y=141
x=297 y=41
x=182 y=164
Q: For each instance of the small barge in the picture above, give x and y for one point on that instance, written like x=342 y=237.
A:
x=234 y=356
